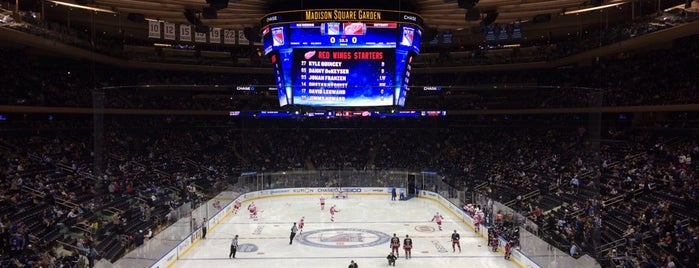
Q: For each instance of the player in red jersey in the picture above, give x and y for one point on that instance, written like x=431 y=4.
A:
x=333 y=210
x=408 y=246
x=302 y=222
x=494 y=242
x=322 y=202
x=395 y=244
x=455 y=237
x=508 y=250
x=438 y=218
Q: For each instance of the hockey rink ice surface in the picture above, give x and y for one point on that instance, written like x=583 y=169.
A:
x=361 y=232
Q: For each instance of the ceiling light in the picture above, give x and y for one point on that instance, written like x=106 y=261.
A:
x=593 y=8
x=82 y=7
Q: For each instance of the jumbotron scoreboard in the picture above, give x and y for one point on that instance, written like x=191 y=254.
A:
x=342 y=57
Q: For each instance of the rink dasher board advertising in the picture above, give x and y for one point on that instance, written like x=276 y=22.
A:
x=171 y=257
x=315 y=191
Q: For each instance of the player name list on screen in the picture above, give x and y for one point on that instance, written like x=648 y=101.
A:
x=339 y=75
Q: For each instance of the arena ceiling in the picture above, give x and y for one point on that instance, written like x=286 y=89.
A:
x=436 y=13
x=441 y=15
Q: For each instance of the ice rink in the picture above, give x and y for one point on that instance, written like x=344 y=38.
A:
x=360 y=232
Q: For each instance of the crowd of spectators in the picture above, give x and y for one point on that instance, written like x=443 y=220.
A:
x=639 y=193
x=628 y=196
x=58 y=212
x=34 y=81
x=655 y=78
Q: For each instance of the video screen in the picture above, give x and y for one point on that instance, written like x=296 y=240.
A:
x=343 y=77
x=342 y=63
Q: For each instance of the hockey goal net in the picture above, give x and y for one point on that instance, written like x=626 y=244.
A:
x=340 y=193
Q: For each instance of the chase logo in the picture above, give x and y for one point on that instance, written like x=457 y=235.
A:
x=409 y=17
x=343 y=238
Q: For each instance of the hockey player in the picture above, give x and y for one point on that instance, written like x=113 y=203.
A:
x=508 y=250
x=477 y=222
x=391 y=259
x=407 y=246
x=253 y=210
x=236 y=206
x=333 y=210
x=455 y=237
x=395 y=244
x=438 y=218
x=302 y=222
x=494 y=242
x=250 y=208
x=322 y=202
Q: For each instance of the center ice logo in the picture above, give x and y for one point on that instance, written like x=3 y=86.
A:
x=343 y=238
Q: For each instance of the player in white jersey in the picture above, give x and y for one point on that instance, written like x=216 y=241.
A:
x=236 y=205
x=322 y=202
x=333 y=209
x=302 y=222
x=253 y=210
x=477 y=222
x=438 y=218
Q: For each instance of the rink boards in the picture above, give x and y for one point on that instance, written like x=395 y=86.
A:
x=176 y=253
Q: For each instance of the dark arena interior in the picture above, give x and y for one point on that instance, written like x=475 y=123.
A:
x=575 y=121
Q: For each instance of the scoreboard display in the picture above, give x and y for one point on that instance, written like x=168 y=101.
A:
x=342 y=58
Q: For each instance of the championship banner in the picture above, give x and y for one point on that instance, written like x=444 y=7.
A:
x=200 y=37
x=215 y=36
x=154 y=29
x=186 y=33
x=169 y=33
x=228 y=36
x=516 y=30
x=447 y=38
x=490 y=33
x=503 y=34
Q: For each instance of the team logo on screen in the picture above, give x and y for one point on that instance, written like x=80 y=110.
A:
x=309 y=55
x=343 y=238
x=408 y=34
x=278 y=36
x=353 y=28
x=333 y=28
